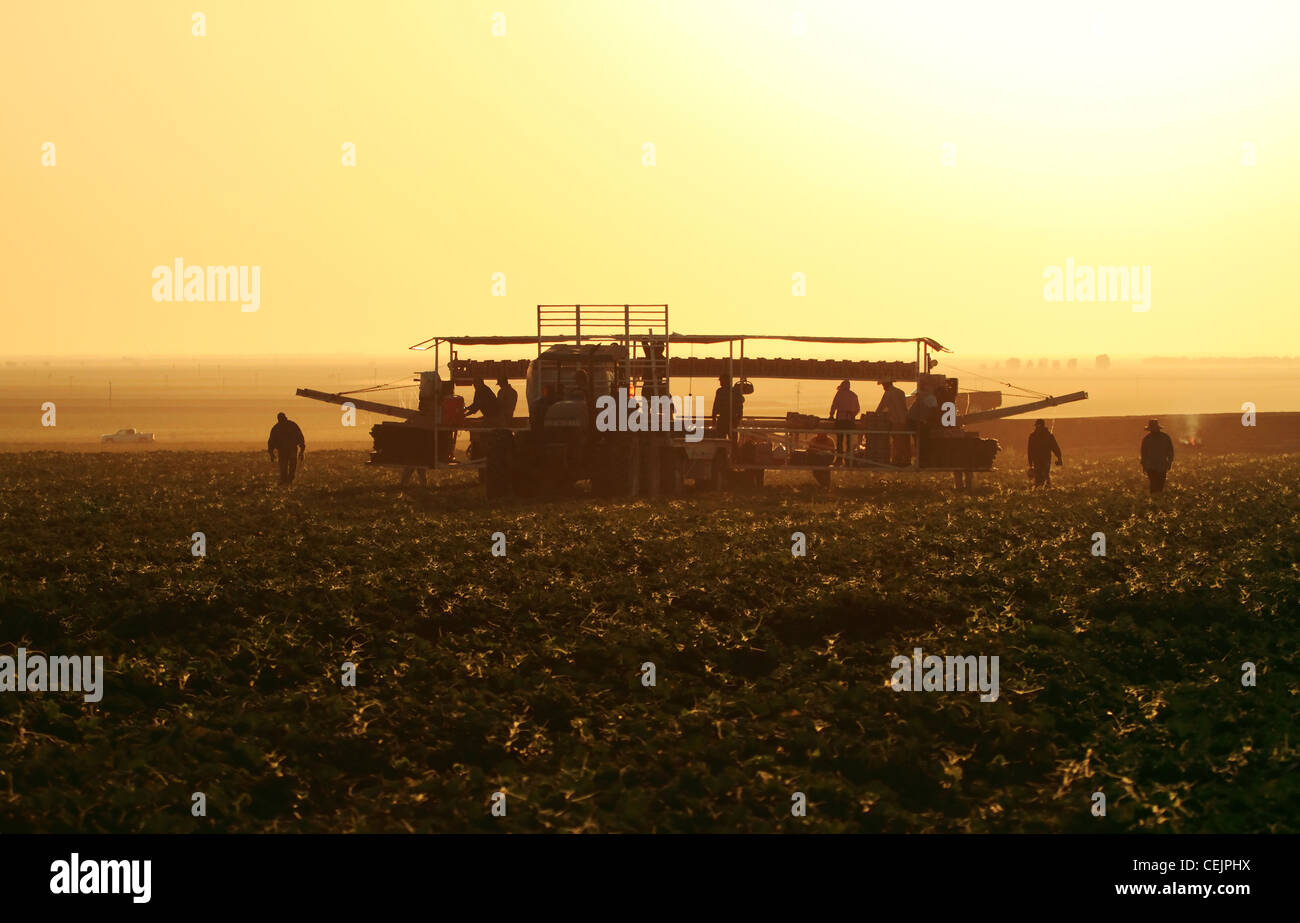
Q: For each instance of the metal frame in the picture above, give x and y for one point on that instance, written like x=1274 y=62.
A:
x=567 y=323
x=776 y=426
x=853 y=461
x=850 y=458
x=613 y=323
x=609 y=323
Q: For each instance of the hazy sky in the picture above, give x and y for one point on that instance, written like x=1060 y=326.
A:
x=922 y=165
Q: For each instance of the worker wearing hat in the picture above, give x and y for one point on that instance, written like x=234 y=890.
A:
x=723 y=404
x=507 y=398
x=1157 y=455
x=894 y=403
x=1042 y=446
x=844 y=410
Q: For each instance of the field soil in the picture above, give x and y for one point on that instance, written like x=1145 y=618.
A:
x=525 y=673
x=1193 y=434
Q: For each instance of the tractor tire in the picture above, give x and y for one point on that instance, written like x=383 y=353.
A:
x=607 y=459
x=498 y=473
x=477 y=449
x=717 y=471
x=626 y=470
x=652 y=462
x=602 y=485
x=555 y=476
x=617 y=467
x=671 y=472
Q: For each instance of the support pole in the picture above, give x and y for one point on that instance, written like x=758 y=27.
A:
x=437 y=405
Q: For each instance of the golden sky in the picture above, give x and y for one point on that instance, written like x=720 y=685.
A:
x=789 y=137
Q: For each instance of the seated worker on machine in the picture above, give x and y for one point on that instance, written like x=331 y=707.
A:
x=537 y=412
x=485 y=402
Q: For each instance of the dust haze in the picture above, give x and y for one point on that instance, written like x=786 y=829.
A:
x=229 y=402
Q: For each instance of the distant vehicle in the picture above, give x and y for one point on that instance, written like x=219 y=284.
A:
x=127 y=435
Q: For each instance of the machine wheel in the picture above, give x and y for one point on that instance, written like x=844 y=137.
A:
x=671 y=472
x=617 y=470
x=555 y=478
x=652 y=461
x=478 y=448
x=602 y=481
x=717 y=471
x=498 y=472
x=823 y=477
x=628 y=471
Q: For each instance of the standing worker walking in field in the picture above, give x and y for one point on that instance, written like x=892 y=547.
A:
x=286 y=439
x=1042 y=446
x=1157 y=455
x=844 y=410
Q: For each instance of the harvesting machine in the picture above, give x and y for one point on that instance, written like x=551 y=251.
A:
x=591 y=358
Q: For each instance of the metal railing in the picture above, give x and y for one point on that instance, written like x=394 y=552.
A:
x=636 y=327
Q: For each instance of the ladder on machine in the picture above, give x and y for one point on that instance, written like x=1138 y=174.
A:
x=640 y=328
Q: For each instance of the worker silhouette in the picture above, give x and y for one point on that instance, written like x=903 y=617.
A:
x=490 y=405
x=537 y=410
x=1157 y=455
x=894 y=403
x=507 y=399
x=580 y=389
x=656 y=371
x=1042 y=446
x=286 y=440
x=485 y=402
x=923 y=416
x=720 y=416
x=844 y=412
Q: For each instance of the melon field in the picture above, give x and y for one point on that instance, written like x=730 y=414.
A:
x=527 y=672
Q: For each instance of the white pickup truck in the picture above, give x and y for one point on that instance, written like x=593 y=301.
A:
x=127 y=435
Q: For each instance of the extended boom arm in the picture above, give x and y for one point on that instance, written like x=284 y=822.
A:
x=1022 y=408
x=370 y=406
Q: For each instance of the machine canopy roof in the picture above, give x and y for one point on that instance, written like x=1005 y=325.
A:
x=725 y=338
x=674 y=338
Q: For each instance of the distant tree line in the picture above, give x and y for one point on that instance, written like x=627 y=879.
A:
x=1015 y=365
